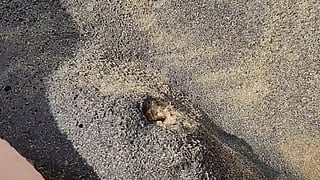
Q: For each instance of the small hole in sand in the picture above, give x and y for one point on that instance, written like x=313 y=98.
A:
x=153 y=110
x=159 y=112
x=7 y=88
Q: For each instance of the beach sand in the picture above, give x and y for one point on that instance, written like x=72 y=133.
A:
x=253 y=67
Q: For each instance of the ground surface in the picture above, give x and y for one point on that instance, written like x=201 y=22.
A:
x=69 y=68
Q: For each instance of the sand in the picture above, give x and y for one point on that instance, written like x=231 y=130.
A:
x=252 y=67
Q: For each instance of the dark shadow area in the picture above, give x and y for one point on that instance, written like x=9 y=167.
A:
x=35 y=37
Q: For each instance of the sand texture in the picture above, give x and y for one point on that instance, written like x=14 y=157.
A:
x=239 y=82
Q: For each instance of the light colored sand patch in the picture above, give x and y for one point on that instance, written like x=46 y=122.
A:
x=302 y=19
x=141 y=11
x=250 y=81
x=303 y=153
x=315 y=80
x=180 y=50
x=318 y=111
x=306 y=9
x=183 y=43
x=176 y=43
x=121 y=87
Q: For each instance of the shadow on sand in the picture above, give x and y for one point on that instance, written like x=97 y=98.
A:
x=34 y=37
